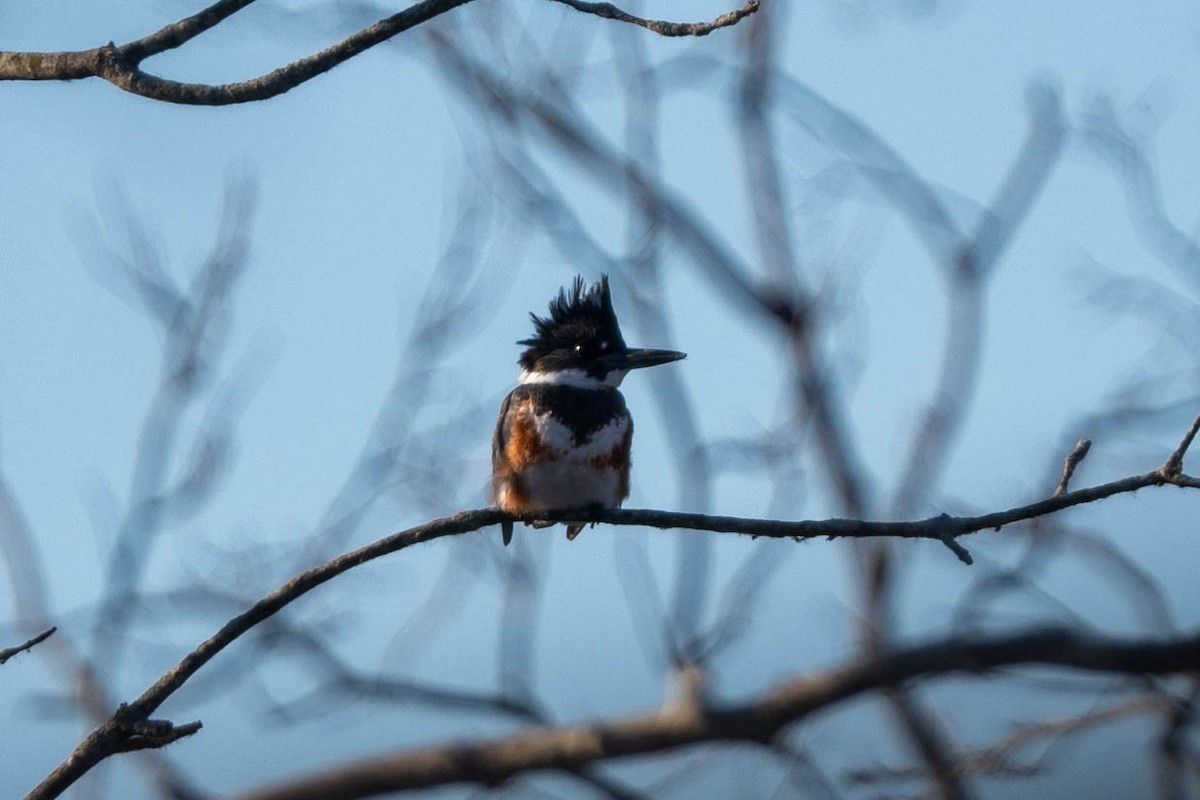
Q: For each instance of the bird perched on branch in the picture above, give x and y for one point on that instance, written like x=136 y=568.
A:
x=562 y=441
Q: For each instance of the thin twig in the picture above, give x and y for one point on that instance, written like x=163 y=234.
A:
x=1077 y=455
x=1173 y=746
x=999 y=758
x=9 y=652
x=967 y=265
x=1174 y=465
x=661 y=27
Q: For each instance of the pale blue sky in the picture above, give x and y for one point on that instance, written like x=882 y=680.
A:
x=357 y=175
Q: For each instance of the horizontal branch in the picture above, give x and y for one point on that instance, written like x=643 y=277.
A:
x=491 y=762
x=943 y=528
x=121 y=65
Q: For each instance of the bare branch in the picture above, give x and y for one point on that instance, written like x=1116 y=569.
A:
x=711 y=252
x=1104 y=131
x=179 y=33
x=615 y=172
x=609 y=11
x=127 y=731
x=121 y=66
x=943 y=528
x=99 y=745
x=1174 y=465
x=929 y=742
x=491 y=762
x=1073 y=459
x=1001 y=751
x=1173 y=747
x=347 y=681
x=970 y=263
x=122 y=69
x=192 y=318
x=9 y=652
x=1001 y=757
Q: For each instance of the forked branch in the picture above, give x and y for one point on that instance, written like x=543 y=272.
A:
x=121 y=65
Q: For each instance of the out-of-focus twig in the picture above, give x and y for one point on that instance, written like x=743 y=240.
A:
x=1129 y=158
x=972 y=261
x=192 y=319
x=1001 y=757
x=1174 y=749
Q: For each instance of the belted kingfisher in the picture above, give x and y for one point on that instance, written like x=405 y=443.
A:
x=563 y=437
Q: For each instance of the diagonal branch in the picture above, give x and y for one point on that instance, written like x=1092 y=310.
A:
x=8 y=652
x=179 y=33
x=1174 y=465
x=943 y=528
x=973 y=260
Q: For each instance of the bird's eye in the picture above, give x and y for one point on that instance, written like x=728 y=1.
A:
x=578 y=348
x=604 y=345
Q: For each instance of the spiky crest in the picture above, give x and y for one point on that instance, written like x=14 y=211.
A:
x=582 y=324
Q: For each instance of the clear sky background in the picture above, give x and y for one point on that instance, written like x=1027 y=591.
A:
x=357 y=177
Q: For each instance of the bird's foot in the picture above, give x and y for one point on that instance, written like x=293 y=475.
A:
x=573 y=528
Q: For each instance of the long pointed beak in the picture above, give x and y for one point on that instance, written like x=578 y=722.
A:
x=636 y=358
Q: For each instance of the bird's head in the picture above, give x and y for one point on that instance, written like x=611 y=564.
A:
x=580 y=341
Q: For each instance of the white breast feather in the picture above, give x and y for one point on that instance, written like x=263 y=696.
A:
x=570 y=480
x=560 y=440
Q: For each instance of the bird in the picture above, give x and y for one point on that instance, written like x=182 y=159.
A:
x=563 y=437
